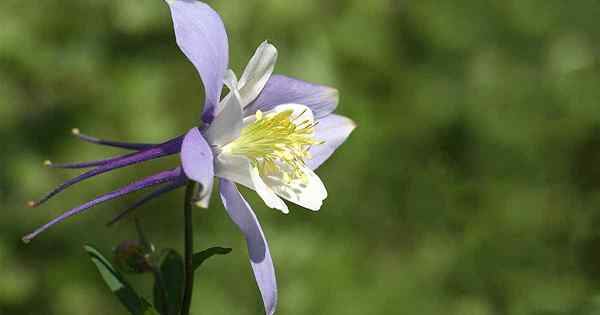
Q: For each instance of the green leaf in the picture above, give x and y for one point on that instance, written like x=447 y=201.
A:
x=117 y=284
x=200 y=257
x=171 y=281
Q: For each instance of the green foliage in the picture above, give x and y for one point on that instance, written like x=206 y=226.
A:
x=202 y=256
x=171 y=281
x=119 y=286
x=168 y=281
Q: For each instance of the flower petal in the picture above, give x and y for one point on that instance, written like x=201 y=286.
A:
x=230 y=80
x=202 y=198
x=257 y=72
x=197 y=159
x=308 y=194
x=322 y=100
x=300 y=112
x=234 y=168
x=258 y=249
x=201 y=36
x=227 y=125
x=267 y=195
x=334 y=130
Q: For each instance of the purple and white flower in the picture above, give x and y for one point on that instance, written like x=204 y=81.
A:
x=268 y=133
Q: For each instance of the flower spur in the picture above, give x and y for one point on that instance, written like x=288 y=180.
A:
x=269 y=133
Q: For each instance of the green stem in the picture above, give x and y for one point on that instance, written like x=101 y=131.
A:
x=189 y=249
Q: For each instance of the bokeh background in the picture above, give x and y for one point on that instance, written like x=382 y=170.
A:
x=471 y=185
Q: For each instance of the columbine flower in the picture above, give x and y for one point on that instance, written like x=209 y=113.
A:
x=269 y=133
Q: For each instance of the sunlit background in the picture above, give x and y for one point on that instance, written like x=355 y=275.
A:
x=470 y=187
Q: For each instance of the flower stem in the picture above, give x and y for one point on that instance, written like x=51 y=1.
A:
x=189 y=248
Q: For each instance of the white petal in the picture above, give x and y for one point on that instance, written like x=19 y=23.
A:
x=309 y=194
x=234 y=168
x=267 y=195
x=304 y=113
x=257 y=72
x=231 y=82
x=203 y=197
x=227 y=124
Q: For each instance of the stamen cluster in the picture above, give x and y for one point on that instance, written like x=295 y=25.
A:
x=276 y=143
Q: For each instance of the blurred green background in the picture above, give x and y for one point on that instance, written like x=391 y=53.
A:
x=471 y=185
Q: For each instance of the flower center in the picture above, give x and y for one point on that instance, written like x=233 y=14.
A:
x=276 y=143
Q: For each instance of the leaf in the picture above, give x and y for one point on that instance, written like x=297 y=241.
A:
x=200 y=257
x=117 y=284
x=171 y=280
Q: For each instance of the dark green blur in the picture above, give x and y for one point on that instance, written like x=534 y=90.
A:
x=470 y=187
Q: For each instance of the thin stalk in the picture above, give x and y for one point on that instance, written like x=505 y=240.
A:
x=188 y=248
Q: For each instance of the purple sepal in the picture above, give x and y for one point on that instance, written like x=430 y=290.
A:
x=334 y=130
x=141 y=184
x=201 y=36
x=322 y=100
x=260 y=258
x=197 y=159
x=177 y=183
x=172 y=146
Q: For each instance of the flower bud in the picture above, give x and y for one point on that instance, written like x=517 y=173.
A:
x=132 y=256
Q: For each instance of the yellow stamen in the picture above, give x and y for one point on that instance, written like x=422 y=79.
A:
x=276 y=143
